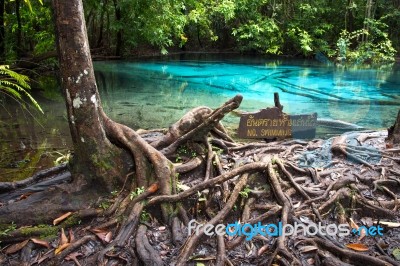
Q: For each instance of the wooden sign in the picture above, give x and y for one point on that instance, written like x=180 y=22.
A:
x=272 y=123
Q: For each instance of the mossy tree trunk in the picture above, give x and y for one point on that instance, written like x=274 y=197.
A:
x=394 y=131
x=97 y=161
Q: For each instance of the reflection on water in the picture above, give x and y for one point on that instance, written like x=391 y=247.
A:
x=154 y=94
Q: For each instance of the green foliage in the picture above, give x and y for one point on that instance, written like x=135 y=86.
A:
x=104 y=205
x=8 y=229
x=62 y=158
x=136 y=192
x=369 y=45
x=274 y=27
x=245 y=192
x=15 y=85
x=144 y=216
x=262 y=35
x=37 y=29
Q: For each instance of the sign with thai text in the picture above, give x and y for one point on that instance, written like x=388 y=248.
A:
x=272 y=123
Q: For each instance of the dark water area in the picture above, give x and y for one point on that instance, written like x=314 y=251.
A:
x=157 y=92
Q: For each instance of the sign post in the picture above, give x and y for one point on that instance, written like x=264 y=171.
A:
x=272 y=122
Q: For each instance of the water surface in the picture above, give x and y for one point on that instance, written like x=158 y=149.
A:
x=156 y=93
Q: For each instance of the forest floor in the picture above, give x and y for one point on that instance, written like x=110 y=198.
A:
x=349 y=181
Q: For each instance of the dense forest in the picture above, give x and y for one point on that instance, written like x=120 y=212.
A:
x=154 y=197
x=346 y=31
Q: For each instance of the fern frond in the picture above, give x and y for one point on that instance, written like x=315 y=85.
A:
x=12 y=83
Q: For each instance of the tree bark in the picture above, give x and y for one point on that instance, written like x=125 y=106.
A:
x=99 y=160
x=19 y=28
x=101 y=29
x=118 y=18
x=394 y=131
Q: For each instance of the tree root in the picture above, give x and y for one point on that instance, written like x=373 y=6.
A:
x=269 y=186
x=192 y=241
x=47 y=173
x=146 y=252
x=353 y=258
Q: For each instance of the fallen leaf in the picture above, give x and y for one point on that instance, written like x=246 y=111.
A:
x=41 y=242
x=71 y=236
x=262 y=250
x=357 y=247
x=353 y=225
x=61 y=248
x=396 y=253
x=306 y=249
x=153 y=188
x=16 y=247
x=64 y=238
x=73 y=256
x=367 y=221
x=26 y=195
x=362 y=234
x=61 y=218
x=101 y=234
x=108 y=237
x=388 y=224
x=382 y=244
x=311 y=261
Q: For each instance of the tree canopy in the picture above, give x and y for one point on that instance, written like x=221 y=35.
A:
x=355 y=31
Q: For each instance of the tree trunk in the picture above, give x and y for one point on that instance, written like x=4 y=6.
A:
x=2 y=32
x=97 y=158
x=119 y=33
x=19 y=28
x=394 y=131
x=103 y=11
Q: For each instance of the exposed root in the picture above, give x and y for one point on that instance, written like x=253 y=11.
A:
x=221 y=181
x=146 y=252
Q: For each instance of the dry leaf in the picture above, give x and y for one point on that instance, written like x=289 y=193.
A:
x=382 y=244
x=61 y=218
x=61 y=248
x=16 y=247
x=73 y=256
x=108 y=237
x=388 y=224
x=40 y=242
x=353 y=225
x=306 y=249
x=153 y=188
x=64 y=238
x=311 y=261
x=71 y=236
x=102 y=234
x=262 y=250
x=26 y=195
x=357 y=247
x=363 y=232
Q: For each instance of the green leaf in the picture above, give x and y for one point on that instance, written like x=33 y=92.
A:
x=396 y=253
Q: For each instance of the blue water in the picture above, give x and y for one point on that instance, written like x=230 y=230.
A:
x=156 y=93
x=150 y=94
